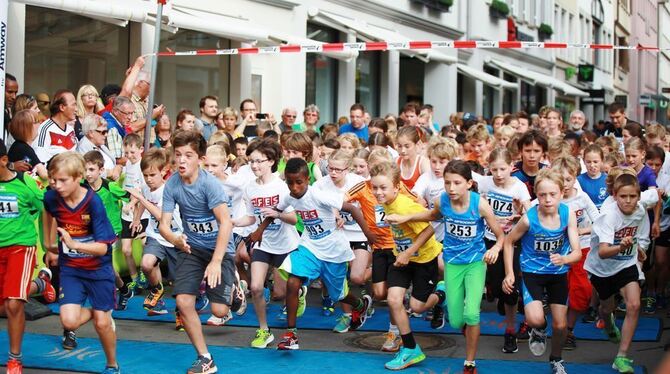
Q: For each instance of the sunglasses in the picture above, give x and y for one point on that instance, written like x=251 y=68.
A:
x=102 y=132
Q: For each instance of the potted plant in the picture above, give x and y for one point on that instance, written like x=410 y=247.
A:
x=544 y=31
x=498 y=9
x=443 y=5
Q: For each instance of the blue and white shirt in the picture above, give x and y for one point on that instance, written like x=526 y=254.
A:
x=539 y=242
x=463 y=241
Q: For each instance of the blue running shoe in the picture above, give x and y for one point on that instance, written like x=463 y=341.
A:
x=158 y=310
x=327 y=306
x=201 y=302
x=122 y=302
x=111 y=370
x=266 y=295
x=406 y=358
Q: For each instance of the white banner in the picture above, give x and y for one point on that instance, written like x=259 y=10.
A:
x=4 y=8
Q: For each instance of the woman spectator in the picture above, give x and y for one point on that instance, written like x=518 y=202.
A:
x=87 y=103
x=25 y=101
x=23 y=128
x=185 y=120
x=95 y=133
x=163 y=131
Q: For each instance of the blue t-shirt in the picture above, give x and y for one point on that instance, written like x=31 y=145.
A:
x=646 y=178
x=539 y=242
x=87 y=223
x=595 y=188
x=361 y=133
x=196 y=203
x=463 y=241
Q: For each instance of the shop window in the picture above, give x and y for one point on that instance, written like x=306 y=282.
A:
x=412 y=71
x=509 y=95
x=367 y=81
x=532 y=97
x=321 y=74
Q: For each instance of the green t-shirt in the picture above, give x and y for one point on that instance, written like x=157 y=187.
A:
x=112 y=195
x=20 y=204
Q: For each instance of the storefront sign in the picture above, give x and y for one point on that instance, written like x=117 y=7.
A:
x=595 y=97
x=645 y=100
x=585 y=73
x=621 y=99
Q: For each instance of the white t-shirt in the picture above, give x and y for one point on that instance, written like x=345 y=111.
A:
x=156 y=198
x=52 y=140
x=133 y=179
x=501 y=201
x=353 y=230
x=429 y=187
x=611 y=227
x=234 y=186
x=583 y=206
x=663 y=182
x=321 y=236
x=279 y=237
x=648 y=199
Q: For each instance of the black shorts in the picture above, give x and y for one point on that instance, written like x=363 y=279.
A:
x=663 y=240
x=382 y=260
x=191 y=270
x=422 y=277
x=359 y=245
x=125 y=229
x=534 y=285
x=271 y=259
x=495 y=273
x=609 y=286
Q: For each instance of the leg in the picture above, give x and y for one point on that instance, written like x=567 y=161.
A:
x=662 y=269
x=359 y=266
x=279 y=286
x=16 y=324
x=242 y=257
x=72 y=316
x=103 y=326
x=535 y=315
x=186 y=306
x=396 y=296
x=293 y=286
x=127 y=249
x=559 y=327
x=474 y=280
x=454 y=279
x=219 y=310
x=258 y=272
x=631 y=294
x=151 y=268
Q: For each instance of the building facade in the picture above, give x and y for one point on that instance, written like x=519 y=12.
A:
x=643 y=78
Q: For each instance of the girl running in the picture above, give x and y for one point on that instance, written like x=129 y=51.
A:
x=411 y=163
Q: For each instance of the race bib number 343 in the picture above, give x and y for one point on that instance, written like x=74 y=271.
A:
x=206 y=226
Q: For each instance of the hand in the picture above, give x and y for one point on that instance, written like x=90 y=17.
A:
x=508 y=284
x=339 y=222
x=655 y=230
x=254 y=237
x=626 y=242
x=66 y=238
x=401 y=260
x=139 y=62
x=271 y=118
x=396 y=219
x=269 y=212
x=250 y=119
x=557 y=259
x=371 y=236
x=213 y=273
x=158 y=111
x=135 y=227
x=641 y=255
x=182 y=244
x=491 y=256
x=516 y=202
x=22 y=166
x=134 y=192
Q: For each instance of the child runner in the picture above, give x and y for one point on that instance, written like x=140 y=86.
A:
x=620 y=238
x=323 y=251
x=548 y=231
x=509 y=198
x=360 y=163
x=635 y=154
x=279 y=237
x=464 y=214
x=411 y=163
x=593 y=181
x=206 y=248
x=84 y=252
x=532 y=146
x=479 y=139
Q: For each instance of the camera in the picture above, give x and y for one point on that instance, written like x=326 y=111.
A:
x=261 y=115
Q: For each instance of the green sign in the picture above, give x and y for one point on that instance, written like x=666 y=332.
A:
x=585 y=73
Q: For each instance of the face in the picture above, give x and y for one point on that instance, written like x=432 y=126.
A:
x=514 y=124
x=384 y=189
x=531 y=154
x=337 y=170
x=626 y=198
x=164 y=123
x=500 y=170
x=35 y=109
x=326 y=152
x=311 y=118
x=43 y=103
x=65 y=184
x=69 y=108
x=406 y=148
x=153 y=177
x=93 y=173
x=523 y=125
x=655 y=164
x=188 y=123
x=210 y=109
x=497 y=123
x=411 y=118
x=89 y=99
x=593 y=163
x=240 y=150
x=478 y=147
x=360 y=167
x=437 y=165
x=291 y=153
x=577 y=121
x=297 y=184
x=568 y=182
x=346 y=146
x=553 y=121
x=124 y=113
x=98 y=136
x=142 y=88
x=260 y=164
x=288 y=117
x=549 y=195
x=618 y=119
x=456 y=186
x=132 y=152
x=215 y=166
x=634 y=158
x=654 y=141
x=229 y=123
x=503 y=140
x=11 y=90
x=248 y=108
x=187 y=161
x=357 y=119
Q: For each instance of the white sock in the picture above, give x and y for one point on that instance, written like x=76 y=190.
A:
x=394 y=329
x=470 y=363
x=207 y=355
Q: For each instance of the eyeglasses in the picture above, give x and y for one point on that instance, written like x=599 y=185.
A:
x=336 y=170
x=102 y=132
x=252 y=162
x=127 y=114
x=290 y=115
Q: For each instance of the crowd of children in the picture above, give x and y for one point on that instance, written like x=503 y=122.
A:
x=542 y=216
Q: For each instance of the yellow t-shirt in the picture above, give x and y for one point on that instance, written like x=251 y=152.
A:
x=404 y=235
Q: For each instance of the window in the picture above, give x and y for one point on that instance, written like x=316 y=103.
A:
x=490 y=94
x=367 y=81
x=532 y=97
x=411 y=80
x=321 y=74
x=64 y=50
x=624 y=55
x=509 y=95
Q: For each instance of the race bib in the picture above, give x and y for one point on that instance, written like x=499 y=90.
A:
x=380 y=216
x=462 y=231
x=316 y=231
x=9 y=206
x=74 y=253
x=401 y=245
x=205 y=226
x=348 y=218
x=548 y=246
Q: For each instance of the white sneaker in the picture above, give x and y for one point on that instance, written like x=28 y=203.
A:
x=537 y=342
x=216 y=321
x=243 y=305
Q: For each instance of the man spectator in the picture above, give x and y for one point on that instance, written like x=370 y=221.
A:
x=107 y=96
x=617 y=114
x=11 y=90
x=95 y=132
x=139 y=97
x=411 y=114
x=311 y=120
x=56 y=134
x=577 y=122
x=429 y=110
x=209 y=108
x=248 y=124
x=118 y=119
x=357 y=125
x=288 y=116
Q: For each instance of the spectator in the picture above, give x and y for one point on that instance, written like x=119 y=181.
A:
x=118 y=120
x=139 y=96
x=357 y=125
x=311 y=119
x=226 y=121
x=43 y=103
x=288 y=116
x=617 y=114
x=524 y=123
x=11 y=89
x=87 y=102
x=249 y=122
x=56 y=135
x=24 y=101
x=410 y=113
x=206 y=124
x=428 y=109
x=163 y=132
x=185 y=120
x=23 y=128
x=577 y=121
x=95 y=132
x=107 y=96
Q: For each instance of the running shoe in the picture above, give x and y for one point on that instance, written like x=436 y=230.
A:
x=649 y=305
x=600 y=324
x=469 y=369
x=358 y=317
x=219 y=321
x=142 y=281
x=613 y=333
x=122 y=302
x=590 y=316
x=302 y=301
x=437 y=322
x=243 y=305
x=537 y=342
x=343 y=324
x=405 y=358
x=392 y=342
x=178 y=323
x=111 y=370
x=49 y=293
x=623 y=365
x=14 y=366
x=158 y=310
x=288 y=342
x=510 y=345
x=202 y=365
x=69 y=341
x=239 y=299
x=570 y=341
x=621 y=307
x=262 y=339
x=153 y=297
x=557 y=367
x=327 y=306
x=201 y=302
x=283 y=314
x=266 y=295
x=523 y=333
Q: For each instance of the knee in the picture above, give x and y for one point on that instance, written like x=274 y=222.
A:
x=220 y=310
x=103 y=323
x=257 y=289
x=559 y=325
x=185 y=302
x=148 y=264
x=535 y=319
x=395 y=300
x=379 y=294
x=127 y=249
x=471 y=319
x=14 y=308
x=69 y=322
x=633 y=306
x=357 y=279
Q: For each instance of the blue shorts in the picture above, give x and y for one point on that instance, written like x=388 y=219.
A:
x=303 y=264
x=101 y=293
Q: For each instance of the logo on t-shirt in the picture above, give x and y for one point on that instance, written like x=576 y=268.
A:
x=65 y=141
x=264 y=201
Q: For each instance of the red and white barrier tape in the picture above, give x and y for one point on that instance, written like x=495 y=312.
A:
x=412 y=45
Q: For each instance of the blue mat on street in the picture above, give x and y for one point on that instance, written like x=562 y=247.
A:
x=45 y=352
x=648 y=329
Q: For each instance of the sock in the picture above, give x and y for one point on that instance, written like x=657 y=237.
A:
x=408 y=341
x=15 y=356
x=394 y=329
x=469 y=363
x=292 y=329
x=207 y=355
x=440 y=297
x=40 y=283
x=510 y=330
x=554 y=358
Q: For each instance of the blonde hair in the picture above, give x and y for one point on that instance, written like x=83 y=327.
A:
x=154 y=158
x=615 y=173
x=441 y=147
x=568 y=163
x=362 y=154
x=478 y=133
x=219 y=136
x=70 y=163
x=380 y=155
x=635 y=144
x=341 y=155
x=655 y=130
x=505 y=130
x=609 y=142
x=352 y=139
x=548 y=174
x=217 y=151
x=558 y=148
x=228 y=112
x=85 y=89
x=387 y=169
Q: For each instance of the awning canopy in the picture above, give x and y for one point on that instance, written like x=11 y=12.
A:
x=124 y=10
x=544 y=80
x=489 y=79
x=369 y=32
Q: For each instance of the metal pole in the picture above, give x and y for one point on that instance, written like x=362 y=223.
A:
x=154 y=67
